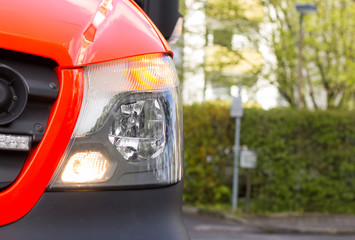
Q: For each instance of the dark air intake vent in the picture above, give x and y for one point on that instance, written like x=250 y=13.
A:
x=28 y=89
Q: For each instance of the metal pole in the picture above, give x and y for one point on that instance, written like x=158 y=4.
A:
x=300 y=43
x=236 y=157
x=248 y=189
x=236 y=165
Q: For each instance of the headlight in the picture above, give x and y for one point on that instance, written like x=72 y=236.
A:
x=129 y=132
x=138 y=129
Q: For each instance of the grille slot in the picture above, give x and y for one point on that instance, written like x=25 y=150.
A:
x=33 y=90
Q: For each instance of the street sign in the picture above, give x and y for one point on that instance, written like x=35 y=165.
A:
x=237 y=107
x=248 y=159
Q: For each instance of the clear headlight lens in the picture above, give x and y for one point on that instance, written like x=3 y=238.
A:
x=129 y=131
x=138 y=130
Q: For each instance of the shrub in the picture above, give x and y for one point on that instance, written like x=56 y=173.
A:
x=306 y=159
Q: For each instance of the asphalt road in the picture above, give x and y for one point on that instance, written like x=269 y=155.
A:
x=202 y=227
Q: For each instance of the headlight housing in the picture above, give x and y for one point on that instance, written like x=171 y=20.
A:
x=129 y=132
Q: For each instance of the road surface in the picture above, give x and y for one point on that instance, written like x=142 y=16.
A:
x=201 y=227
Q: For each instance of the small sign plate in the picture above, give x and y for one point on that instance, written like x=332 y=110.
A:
x=237 y=107
x=248 y=159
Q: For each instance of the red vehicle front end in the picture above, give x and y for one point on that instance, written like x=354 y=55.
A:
x=90 y=123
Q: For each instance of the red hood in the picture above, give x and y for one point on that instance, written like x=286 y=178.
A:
x=77 y=32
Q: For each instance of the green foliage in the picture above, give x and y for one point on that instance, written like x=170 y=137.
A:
x=328 y=52
x=223 y=37
x=226 y=65
x=306 y=160
x=232 y=10
x=222 y=9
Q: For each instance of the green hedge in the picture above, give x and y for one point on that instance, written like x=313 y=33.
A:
x=306 y=159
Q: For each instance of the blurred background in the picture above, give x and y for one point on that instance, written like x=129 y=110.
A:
x=296 y=64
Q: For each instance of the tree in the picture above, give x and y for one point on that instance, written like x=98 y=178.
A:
x=225 y=64
x=328 y=56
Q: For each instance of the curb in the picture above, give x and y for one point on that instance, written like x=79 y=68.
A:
x=296 y=223
x=217 y=214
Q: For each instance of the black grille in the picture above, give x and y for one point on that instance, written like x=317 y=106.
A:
x=30 y=87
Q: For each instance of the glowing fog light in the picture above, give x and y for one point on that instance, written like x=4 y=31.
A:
x=86 y=167
x=14 y=142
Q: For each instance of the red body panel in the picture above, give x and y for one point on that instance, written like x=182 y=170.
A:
x=75 y=32
x=19 y=198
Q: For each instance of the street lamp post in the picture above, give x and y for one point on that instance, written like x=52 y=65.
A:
x=302 y=9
